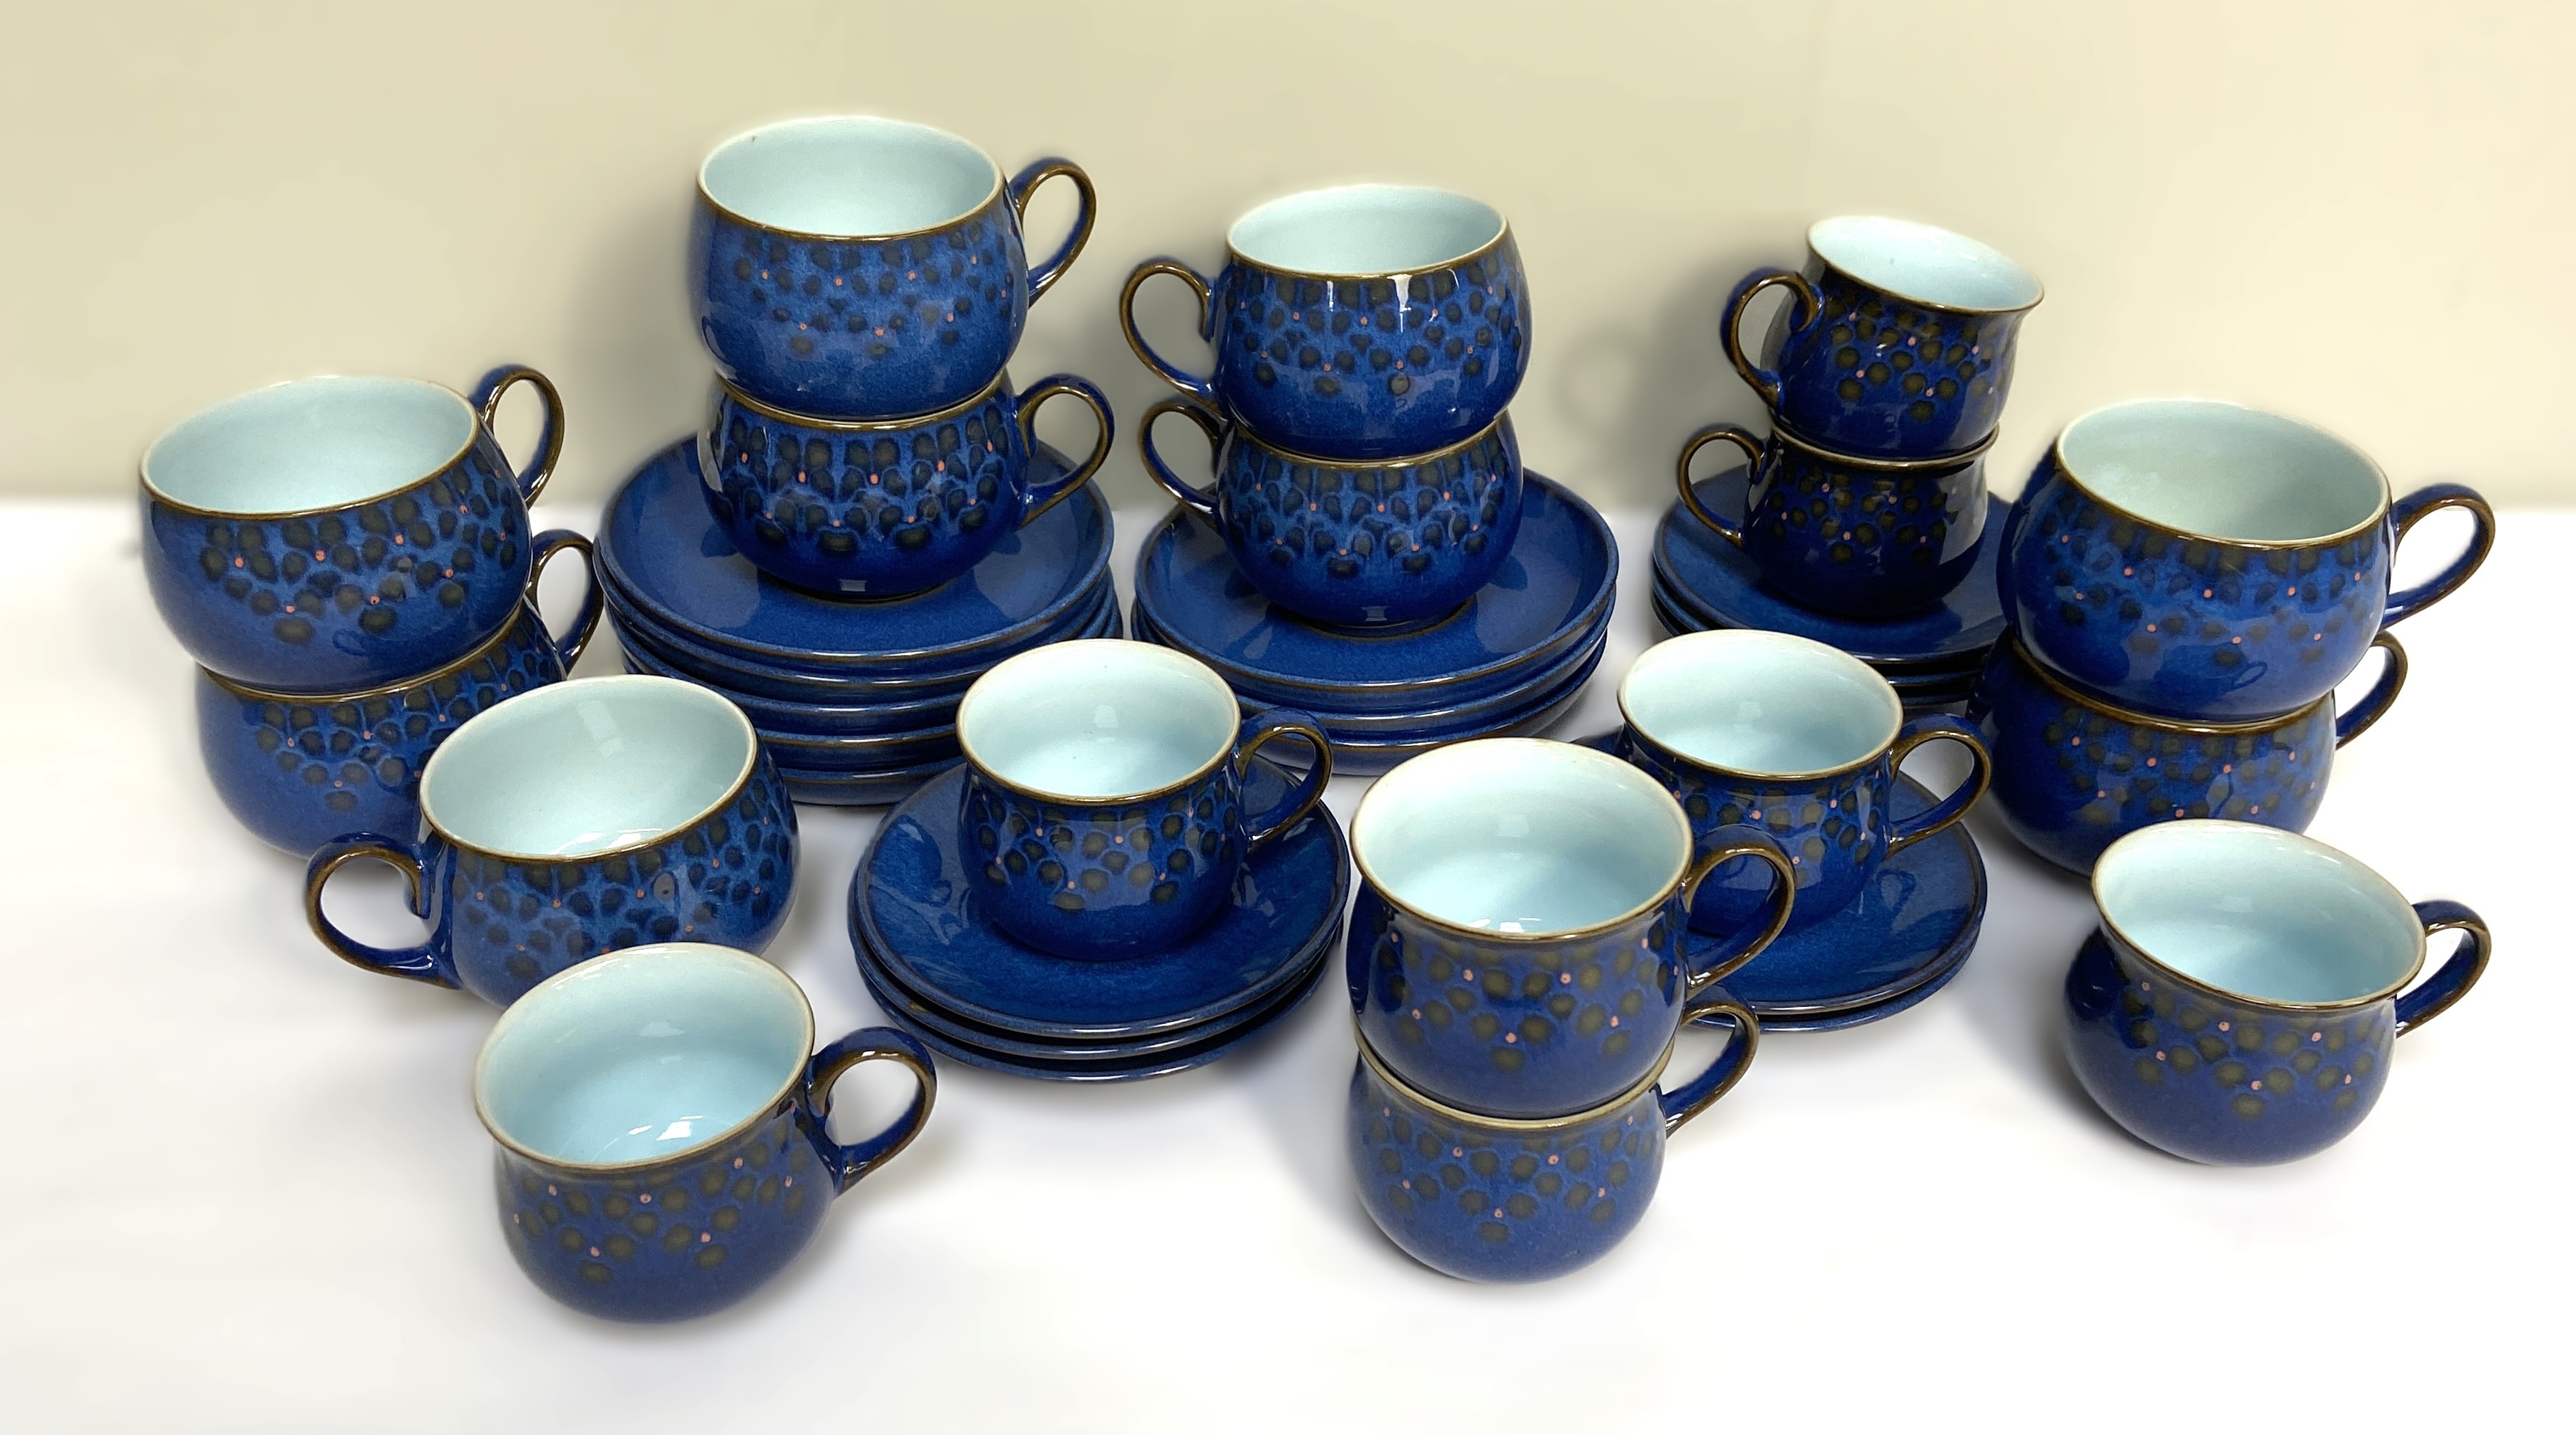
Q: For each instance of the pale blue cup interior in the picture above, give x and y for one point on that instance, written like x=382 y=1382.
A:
x=1366 y=229
x=1924 y=263
x=311 y=444
x=642 y=1054
x=2266 y=915
x=1761 y=704
x=587 y=766
x=1097 y=719
x=2223 y=471
x=849 y=177
x=1519 y=835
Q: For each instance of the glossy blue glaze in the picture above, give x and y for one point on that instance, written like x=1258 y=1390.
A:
x=862 y=268
x=921 y=1013
x=330 y=535
x=1921 y=692
x=870 y=789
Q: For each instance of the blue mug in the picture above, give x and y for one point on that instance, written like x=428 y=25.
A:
x=862 y=268
x=580 y=818
x=333 y=534
x=2240 y=1001
x=1367 y=321
x=661 y=1120
x=1103 y=804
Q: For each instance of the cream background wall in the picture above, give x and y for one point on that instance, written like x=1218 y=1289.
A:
x=2357 y=212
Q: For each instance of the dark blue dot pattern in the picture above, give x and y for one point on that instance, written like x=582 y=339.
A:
x=1855 y=538
x=1107 y=878
x=1834 y=830
x=1873 y=373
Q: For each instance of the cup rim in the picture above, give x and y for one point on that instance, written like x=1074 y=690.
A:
x=522 y=613
x=991 y=189
x=1237 y=429
x=1763 y=638
x=1467 y=1117
x=1957 y=458
x=736 y=394
x=1502 y=233
x=473 y=432
x=2379 y=513
x=1197 y=669
x=592 y=967
x=2068 y=692
x=2039 y=290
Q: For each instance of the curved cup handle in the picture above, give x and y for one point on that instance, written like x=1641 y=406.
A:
x=2405 y=513
x=1733 y=842
x=1039 y=500
x=1702 y=1091
x=1200 y=500
x=2434 y=995
x=1171 y=373
x=1042 y=277
x=553 y=541
x=1257 y=732
x=846 y=1164
x=424 y=963
x=1806 y=302
x=550 y=439
x=1938 y=727
x=2374 y=704
x=1736 y=434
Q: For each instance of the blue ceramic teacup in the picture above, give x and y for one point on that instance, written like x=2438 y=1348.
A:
x=333 y=534
x=2201 y=560
x=1521 y=925
x=2239 y=1003
x=888 y=507
x=661 y=1118
x=1362 y=322
x=578 y=819
x=1897 y=340
x=1842 y=533
x=1354 y=541
x=1793 y=738
x=1103 y=804
x=860 y=268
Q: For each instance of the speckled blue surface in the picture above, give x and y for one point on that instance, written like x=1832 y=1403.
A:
x=1835 y=534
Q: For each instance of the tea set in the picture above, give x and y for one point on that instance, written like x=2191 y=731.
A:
x=865 y=582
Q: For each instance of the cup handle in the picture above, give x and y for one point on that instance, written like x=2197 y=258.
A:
x=1741 y=841
x=423 y=963
x=1042 y=277
x=1042 y=499
x=553 y=541
x=2405 y=513
x=2374 y=704
x=2435 y=994
x=1702 y=1091
x=1172 y=374
x=1200 y=500
x=1807 y=302
x=550 y=440
x=1256 y=733
x=1936 y=727
x=1736 y=434
x=846 y=1164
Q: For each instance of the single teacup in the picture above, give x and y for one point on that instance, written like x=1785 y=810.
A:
x=662 y=1124
x=333 y=534
x=860 y=268
x=2201 y=560
x=1104 y=794
x=1367 y=321
x=1799 y=740
x=1843 y=533
x=1354 y=541
x=885 y=507
x=576 y=819
x=2239 y=1003
x=1517 y=948
x=1897 y=340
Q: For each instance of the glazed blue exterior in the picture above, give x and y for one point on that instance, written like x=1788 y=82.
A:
x=1870 y=372
x=884 y=509
x=872 y=328
x=1356 y=366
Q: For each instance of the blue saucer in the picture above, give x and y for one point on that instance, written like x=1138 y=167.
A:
x=1911 y=683
x=911 y=904
x=1875 y=1011
x=860 y=789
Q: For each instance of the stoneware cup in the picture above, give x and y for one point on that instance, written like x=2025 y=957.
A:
x=1796 y=739
x=1362 y=322
x=2239 y=1001
x=1487 y=1198
x=883 y=508
x=333 y=534
x=1841 y=533
x=2200 y=560
x=1897 y=340
x=662 y=1123
x=577 y=819
x=861 y=268
x=1523 y=914
x=299 y=769
x=2074 y=774
x=1104 y=794
x=1354 y=541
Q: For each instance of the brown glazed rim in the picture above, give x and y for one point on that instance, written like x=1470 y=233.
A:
x=1961 y=459
x=473 y=432
x=2057 y=464
x=1464 y=1117
x=992 y=191
x=1933 y=304
x=523 y=614
x=2067 y=691
x=733 y=394
x=1243 y=432
x=1502 y=236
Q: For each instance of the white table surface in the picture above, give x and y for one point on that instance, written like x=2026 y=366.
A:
x=246 y=1188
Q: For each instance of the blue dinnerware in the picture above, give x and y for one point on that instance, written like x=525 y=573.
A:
x=2242 y=997
x=1143 y=1062
x=1897 y=340
x=1080 y=1056
x=1919 y=692
x=862 y=268
x=877 y=788
x=575 y=819
x=334 y=534
x=2199 y=560
x=1361 y=322
x=662 y=1125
